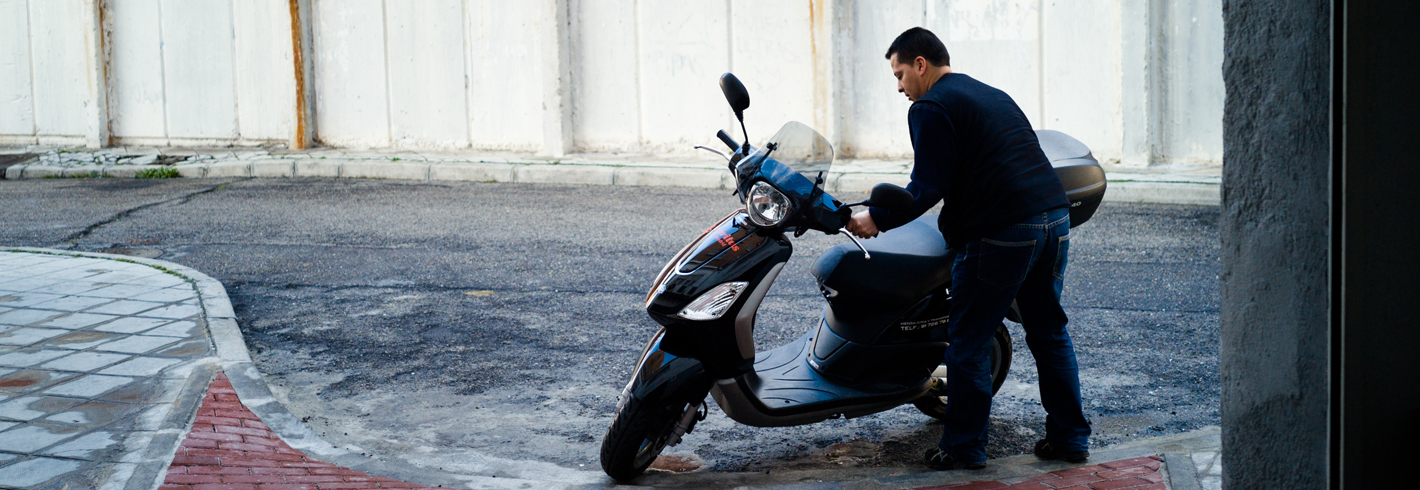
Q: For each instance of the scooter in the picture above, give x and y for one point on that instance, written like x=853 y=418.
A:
x=882 y=336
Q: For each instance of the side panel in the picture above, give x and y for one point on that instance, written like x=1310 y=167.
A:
x=733 y=250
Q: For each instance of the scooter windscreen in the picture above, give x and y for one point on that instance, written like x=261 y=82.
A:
x=802 y=149
x=782 y=183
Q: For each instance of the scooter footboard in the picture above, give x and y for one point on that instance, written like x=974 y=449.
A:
x=666 y=378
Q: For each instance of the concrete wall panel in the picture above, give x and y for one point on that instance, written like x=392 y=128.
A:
x=136 y=100
x=428 y=104
x=684 y=49
x=1192 y=104
x=605 y=91
x=773 y=54
x=61 y=88
x=16 y=91
x=505 y=76
x=351 y=91
x=198 y=69
x=875 y=114
x=1081 y=57
x=265 y=72
x=998 y=42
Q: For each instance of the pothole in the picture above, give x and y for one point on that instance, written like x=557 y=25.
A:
x=853 y=453
x=147 y=253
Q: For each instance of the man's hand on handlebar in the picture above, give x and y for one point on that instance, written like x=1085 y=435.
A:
x=862 y=226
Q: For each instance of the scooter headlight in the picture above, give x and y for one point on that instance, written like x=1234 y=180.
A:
x=714 y=303
x=766 y=205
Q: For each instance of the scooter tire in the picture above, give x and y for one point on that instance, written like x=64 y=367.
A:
x=636 y=437
x=934 y=403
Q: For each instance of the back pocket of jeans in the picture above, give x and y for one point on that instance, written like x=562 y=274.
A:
x=1004 y=264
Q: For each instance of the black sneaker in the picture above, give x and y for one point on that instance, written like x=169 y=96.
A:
x=1044 y=450
x=938 y=459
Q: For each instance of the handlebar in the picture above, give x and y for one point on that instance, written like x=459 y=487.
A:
x=728 y=140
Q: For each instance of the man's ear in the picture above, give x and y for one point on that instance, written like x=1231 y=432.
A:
x=920 y=65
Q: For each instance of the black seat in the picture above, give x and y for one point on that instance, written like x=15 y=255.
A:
x=907 y=263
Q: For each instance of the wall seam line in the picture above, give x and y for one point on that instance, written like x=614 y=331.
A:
x=467 y=76
x=163 y=74
x=389 y=91
x=34 y=97
x=1040 y=67
x=236 y=80
x=640 y=94
x=730 y=52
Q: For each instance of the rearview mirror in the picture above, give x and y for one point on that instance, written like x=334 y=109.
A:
x=894 y=198
x=735 y=94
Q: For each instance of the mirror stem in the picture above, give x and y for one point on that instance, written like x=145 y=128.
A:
x=741 y=117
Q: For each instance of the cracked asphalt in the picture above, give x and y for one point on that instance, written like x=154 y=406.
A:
x=459 y=325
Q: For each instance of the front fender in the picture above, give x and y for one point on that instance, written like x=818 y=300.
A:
x=666 y=378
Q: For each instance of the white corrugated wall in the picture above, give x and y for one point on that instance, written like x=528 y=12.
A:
x=1125 y=76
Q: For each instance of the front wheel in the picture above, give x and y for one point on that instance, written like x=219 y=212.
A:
x=934 y=403
x=636 y=436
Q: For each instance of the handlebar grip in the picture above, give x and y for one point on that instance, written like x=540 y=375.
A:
x=728 y=140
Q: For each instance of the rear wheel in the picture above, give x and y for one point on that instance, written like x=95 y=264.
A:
x=934 y=403
x=636 y=436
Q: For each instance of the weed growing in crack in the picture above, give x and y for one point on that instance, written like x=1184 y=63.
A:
x=158 y=173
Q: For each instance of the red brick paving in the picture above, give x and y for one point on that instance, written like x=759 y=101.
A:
x=1135 y=474
x=229 y=448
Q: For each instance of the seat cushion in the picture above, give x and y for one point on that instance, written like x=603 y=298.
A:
x=908 y=263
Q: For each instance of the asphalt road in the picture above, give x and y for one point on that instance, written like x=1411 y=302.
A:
x=469 y=326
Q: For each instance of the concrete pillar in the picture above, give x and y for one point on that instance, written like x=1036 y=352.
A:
x=1140 y=73
x=1275 y=324
x=96 y=128
x=555 y=57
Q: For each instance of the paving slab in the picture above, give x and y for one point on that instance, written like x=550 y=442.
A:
x=80 y=406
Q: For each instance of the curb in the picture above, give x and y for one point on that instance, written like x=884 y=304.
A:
x=1123 y=190
x=234 y=359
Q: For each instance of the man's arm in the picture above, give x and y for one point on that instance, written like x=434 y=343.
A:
x=934 y=159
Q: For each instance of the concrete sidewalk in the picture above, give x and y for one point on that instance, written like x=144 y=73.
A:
x=1167 y=184
x=106 y=360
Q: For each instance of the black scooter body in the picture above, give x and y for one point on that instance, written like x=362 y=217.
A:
x=869 y=354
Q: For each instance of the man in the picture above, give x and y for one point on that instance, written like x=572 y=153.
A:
x=1006 y=216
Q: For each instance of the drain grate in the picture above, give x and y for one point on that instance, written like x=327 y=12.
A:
x=7 y=161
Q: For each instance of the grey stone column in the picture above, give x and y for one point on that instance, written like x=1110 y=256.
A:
x=1274 y=347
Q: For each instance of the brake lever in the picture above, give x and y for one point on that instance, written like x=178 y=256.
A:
x=850 y=236
x=717 y=152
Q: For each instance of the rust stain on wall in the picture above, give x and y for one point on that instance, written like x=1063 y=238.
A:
x=299 y=141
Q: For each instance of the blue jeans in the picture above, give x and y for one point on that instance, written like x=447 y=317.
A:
x=1025 y=262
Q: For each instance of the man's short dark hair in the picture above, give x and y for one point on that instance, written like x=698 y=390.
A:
x=916 y=42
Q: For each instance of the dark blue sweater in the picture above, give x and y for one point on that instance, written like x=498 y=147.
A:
x=974 y=148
